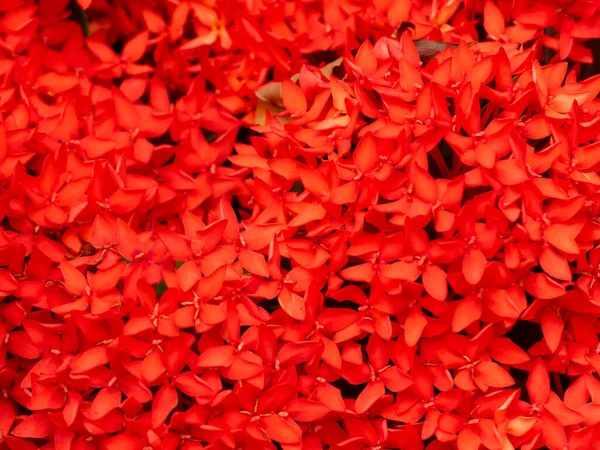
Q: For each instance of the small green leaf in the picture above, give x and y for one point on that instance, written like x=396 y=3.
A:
x=178 y=264
x=160 y=288
x=126 y=261
x=297 y=187
x=209 y=136
x=271 y=306
x=79 y=16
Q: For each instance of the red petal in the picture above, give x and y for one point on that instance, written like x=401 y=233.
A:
x=293 y=98
x=552 y=327
x=395 y=380
x=71 y=408
x=187 y=276
x=105 y=401
x=562 y=236
x=370 y=394
x=292 y=304
x=90 y=359
x=134 y=48
x=554 y=264
x=7 y=416
x=221 y=356
x=208 y=287
x=365 y=154
x=193 y=386
x=493 y=375
x=538 y=383
x=254 y=262
x=425 y=187
x=164 y=402
x=543 y=287
x=36 y=425
x=313 y=181
x=75 y=282
x=434 y=282
x=330 y=396
x=505 y=351
x=474 y=263
x=553 y=432
x=468 y=311
x=281 y=430
x=414 y=326
x=493 y=21
x=468 y=439
x=304 y=410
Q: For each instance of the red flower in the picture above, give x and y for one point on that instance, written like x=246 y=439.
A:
x=335 y=224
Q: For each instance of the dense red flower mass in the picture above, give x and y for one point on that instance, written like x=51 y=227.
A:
x=299 y=225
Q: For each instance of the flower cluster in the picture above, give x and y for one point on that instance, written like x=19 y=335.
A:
x=263 y=224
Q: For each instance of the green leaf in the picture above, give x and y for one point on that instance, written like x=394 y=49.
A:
x=79 y=16
x=270 y=306
x=297 y=188
x=209 y=136
x=160 y=289
x=178 y=264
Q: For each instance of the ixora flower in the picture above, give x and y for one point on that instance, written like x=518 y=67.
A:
x=349 y=225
